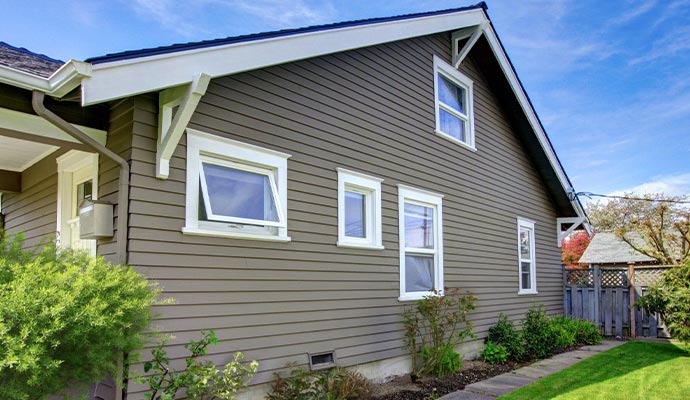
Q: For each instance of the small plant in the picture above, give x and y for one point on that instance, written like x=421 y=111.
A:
x=433 y=328
x=65 y=317
x=201 y=379
x=586 y=332
x=495 y=353
x=539 y=335
x=331 y=384
x=505 y=334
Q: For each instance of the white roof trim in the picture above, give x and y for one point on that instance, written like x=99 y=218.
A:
x=33 y=124
x=61 y=82
x=117 y=79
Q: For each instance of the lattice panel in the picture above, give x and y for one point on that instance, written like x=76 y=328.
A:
x=580 y=277
x=614 y=277
x=649 y=276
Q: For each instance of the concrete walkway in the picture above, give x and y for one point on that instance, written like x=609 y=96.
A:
x=513 y=380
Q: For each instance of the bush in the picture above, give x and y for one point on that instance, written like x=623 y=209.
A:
x=566 y=331
x=434 y=327
x=65 y=317
x=671 y=299
x=495 y=353
x=331 y=384
x=539 y=335
x=200 y=379
x=505 y=334
x=586 y=332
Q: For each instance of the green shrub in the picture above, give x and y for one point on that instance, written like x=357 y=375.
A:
x=565 y=331
x=586 y=332
x=434 y=327
x=495 y=353
x=670 y=297
x=65 y=317
x=201 y=379
x=505 y=334
x=539 y=335
x=331 y=384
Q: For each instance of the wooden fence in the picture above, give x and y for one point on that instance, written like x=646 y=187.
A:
x=603 y=296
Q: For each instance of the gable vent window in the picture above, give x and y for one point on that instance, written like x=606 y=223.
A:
x=454 y=104
x=322 y=360
x=235 y=189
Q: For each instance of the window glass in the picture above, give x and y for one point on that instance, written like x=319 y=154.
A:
x=419 y=226
x=525 y=244
x=452 y=125
x=84 y=192
x=355 y=214
x=525 y=275
x=419 y=273
x=237 y=193
x=451 y=95
x=526 y=262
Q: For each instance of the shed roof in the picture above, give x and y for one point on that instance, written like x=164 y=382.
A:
x=24 y=60
x=607 y=248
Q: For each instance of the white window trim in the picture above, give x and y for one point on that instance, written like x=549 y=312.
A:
x=202 y=145
x=428 y=199
x=371 y=187
x=523 y=223
x=464 y=82
x=67 y=165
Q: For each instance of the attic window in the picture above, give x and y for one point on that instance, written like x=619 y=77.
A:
x=322 y=360
x=454 y=104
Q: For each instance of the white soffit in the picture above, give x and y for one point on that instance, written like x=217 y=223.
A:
x=18 y=155
x=117 y=79
x=33 y=124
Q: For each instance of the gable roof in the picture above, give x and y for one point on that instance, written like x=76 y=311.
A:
x=607 y=248
x=24 y=60
x=132 y=54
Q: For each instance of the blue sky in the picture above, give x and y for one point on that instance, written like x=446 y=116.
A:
x=610 y=80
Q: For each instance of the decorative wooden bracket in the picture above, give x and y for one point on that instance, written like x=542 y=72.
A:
x=473 y=33
x=575 y=221
x=170 y=127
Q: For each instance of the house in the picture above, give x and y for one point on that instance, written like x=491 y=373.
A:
x=608 y=250
x=295 y=190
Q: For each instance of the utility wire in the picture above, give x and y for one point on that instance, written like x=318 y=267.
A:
x=590 y=195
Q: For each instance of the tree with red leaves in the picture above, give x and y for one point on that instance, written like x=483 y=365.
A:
x=572 y=248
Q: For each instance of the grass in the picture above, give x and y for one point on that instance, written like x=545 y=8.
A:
x=635 y=370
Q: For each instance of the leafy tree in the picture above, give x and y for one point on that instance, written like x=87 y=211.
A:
x=572 y=247
x=65 y=318
x=670 y=297
x=656 y=227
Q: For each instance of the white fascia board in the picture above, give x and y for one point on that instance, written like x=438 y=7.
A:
x=61 y=82
x=118 y=79
x=22 y=122
x=508 y=71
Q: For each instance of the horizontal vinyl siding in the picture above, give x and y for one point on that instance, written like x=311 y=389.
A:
x=33 y=212
x=370 y=110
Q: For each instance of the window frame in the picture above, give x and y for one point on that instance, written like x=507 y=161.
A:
x=523 y=223
x=412 y=195
x=462 y=81
x=217 y=150
x=370 y=186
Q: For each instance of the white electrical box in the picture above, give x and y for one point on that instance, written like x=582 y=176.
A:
x=95 y=219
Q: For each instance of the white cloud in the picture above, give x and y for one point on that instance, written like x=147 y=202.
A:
x=672 y=185
x=673 y=42
x=633 y=13
x=182 y=17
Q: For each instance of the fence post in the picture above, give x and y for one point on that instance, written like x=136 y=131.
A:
x=631 y=290
x=565 y=291
x=597 y=294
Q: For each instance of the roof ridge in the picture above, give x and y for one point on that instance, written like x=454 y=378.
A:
x=178 y=47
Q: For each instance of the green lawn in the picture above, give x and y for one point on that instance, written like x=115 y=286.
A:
x=635 y=370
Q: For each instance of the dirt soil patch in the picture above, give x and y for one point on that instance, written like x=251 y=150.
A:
x=402 y=388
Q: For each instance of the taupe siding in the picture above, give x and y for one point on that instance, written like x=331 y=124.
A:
x=33 y=212
x=370 y=110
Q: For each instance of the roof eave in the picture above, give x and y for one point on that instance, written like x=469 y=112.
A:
x=113 y=80
x=64 y=80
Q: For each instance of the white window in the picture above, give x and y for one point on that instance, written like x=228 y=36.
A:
x=359 y=210
x=235 y=189
x=454 y=104
x=526 y=258
x=421 y=242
